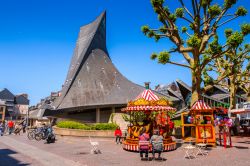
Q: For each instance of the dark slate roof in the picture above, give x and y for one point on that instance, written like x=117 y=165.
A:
x=20 y=99
x=5 y=94
x=184 y=88
x=92 y=78
x=39 y=112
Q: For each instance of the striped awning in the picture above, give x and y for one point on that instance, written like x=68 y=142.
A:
x=200 y=105
x=240 y=111
x=148 y=95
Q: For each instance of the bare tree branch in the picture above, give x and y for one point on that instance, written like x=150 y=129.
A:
x=184 y=7
x=179 y=64
x=227 y=21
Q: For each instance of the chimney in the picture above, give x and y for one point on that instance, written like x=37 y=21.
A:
x=147 y=85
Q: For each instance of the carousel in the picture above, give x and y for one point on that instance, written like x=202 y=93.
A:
x=198 y=124
x=150 y=112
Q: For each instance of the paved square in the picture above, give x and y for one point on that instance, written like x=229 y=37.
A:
x=18 y=150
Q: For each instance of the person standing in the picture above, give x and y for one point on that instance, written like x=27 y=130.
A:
x=1 y=128
x=10 y=126
x=144 y=143
x=118 y=135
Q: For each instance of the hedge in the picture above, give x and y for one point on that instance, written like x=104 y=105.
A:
x=77 y=125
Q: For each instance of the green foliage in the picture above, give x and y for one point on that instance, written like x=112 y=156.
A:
x=245 y=29
x=77 y=125
x=105 y=126
x=160 y=18
x=194 y=41
x=166 y=9
x=163 y=29
x=184 y=29
x=214 y=46
x=151 y=34
x=214 y=10
x=229 y=3
x=172 y=17
x=72 y=125
x=177 y=123
x=205 y=3
x=235 y=39
x=157 y=2
x=125 y=117
x=191 y=26
x=145 y=29
x=206 y=78
x=163 y=57
x=241 y=11
x=179 y=12
x=228 y=32
x=136 y=117
x=153 y=56
x=157 y=37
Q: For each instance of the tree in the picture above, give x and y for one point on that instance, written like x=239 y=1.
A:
x=199 y=28
x=234 y=66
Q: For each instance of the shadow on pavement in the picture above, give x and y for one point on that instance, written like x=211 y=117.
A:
x=244 y=142
x=7 y=160
x=241 y=147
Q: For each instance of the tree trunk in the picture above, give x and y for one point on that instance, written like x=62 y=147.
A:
x=196 y=87
x=232 y=90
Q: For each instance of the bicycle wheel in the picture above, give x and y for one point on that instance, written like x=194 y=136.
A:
x=38 y=136
x=31 y=135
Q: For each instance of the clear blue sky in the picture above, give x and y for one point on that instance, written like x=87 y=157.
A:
x=37 y=38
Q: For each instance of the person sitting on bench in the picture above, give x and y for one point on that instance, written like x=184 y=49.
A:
x=157 y=144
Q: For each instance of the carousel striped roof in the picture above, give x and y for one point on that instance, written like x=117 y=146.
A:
x=148 y=95
x=200 y=105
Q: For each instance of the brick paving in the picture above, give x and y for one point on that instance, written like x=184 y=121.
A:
x=75 y=149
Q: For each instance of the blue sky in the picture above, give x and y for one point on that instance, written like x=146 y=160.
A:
x=37 y=38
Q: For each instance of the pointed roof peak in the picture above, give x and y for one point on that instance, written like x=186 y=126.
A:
x=97 y=20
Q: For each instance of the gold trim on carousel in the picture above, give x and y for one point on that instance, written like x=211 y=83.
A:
x=144 y=102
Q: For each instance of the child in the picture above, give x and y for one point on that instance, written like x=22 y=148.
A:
x=118 y=134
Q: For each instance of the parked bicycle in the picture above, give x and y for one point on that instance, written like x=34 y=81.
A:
x=42 y=133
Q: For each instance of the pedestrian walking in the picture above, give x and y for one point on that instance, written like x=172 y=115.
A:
x=6 y=128
x=1 y=128
x=118 y=135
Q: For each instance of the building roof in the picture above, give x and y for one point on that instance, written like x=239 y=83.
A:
x=39 y=112
x=184 y=88
x=5 y=94
x=92 y=78
x=20 y=99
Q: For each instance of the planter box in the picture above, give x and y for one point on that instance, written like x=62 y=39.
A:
x=83 y=133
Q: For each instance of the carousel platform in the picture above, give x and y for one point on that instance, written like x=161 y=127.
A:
x=134 y=147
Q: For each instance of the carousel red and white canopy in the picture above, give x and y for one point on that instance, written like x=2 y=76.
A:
x=148 y=95
x=200 y=105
